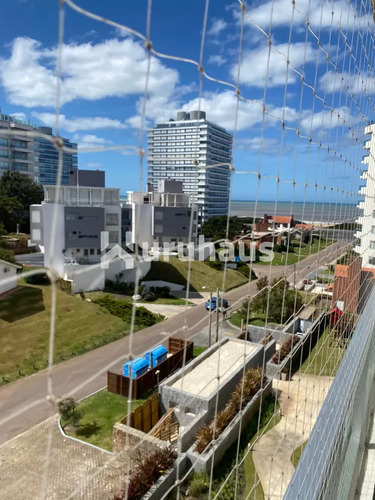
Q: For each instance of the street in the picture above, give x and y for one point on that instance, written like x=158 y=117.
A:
x=24 y=403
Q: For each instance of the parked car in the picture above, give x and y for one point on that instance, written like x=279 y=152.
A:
x=221 y=303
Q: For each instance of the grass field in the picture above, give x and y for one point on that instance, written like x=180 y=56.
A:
x=99 y=413
x=25 y=327
x=255 y=319
x=198 y=350
x=325 y=357
x=300 y=251
x=296 y=455
x=202 y=274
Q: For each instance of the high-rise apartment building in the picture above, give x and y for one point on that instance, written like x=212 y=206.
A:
x=186 y=150
x=366 y=234
x=30 y=154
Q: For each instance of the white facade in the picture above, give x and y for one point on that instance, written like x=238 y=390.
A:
x=366 y=235
x=182 y=150
x=82 y=215
x=8 y=276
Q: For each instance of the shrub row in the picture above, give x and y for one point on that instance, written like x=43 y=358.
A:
x=248 y=386
x=123 y=310
x=285 y=349
x=147 y=472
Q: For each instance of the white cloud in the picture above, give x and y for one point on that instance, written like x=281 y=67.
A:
x=217 y=27
x=217 y=60
x=90 y=141
x=112 y=68
x=282 y=12
x=325 y=119
x=362 y=83
x=221 y=109
x=254 y=64
x=268 y=145
x=79 y=123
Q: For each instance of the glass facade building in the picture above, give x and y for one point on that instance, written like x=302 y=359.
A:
x=23 y=150
x=184 y=150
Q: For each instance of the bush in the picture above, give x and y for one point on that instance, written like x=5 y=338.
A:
x=285 y=349
x=123 y=310
x=67 y=407
x=199 y=485
x=149 y=469
x=119 y=287
x=38 y=279
x=248 y=386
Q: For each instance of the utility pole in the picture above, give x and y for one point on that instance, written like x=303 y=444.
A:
x=210 y=321
x=217 y=315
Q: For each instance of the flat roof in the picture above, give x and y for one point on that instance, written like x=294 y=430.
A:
x=202 y=379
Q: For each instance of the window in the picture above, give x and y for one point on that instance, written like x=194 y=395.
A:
x=3 y=153
x=159 y=215
x=113 y=236
x=35 y=216
x=98 y=251
x=85 y=251
x=70 y=216
x=111 y=219
x=372 y=229
x=36 y=235
x=3 y=142
x=372 y=245
x=92 y=251
x=372 y=261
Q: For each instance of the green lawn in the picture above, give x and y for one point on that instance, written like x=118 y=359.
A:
x=172 y=301
x=99 y=413
x=25 y=326
x=296 y=455
x=176 y=271
x=300 y=251
x=255 y=319
x=325 y=357
x=198 y=350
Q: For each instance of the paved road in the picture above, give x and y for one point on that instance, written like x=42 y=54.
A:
x=24 y=403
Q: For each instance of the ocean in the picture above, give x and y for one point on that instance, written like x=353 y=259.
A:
x=306 y=212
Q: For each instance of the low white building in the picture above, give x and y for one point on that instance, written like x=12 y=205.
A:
x=366 y=234
x=71 y=227
x=8 y=276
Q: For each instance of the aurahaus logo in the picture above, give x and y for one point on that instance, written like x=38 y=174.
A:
x=223 y=250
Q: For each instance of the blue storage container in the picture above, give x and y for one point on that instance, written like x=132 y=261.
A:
x=135 y=368
x=156 y=356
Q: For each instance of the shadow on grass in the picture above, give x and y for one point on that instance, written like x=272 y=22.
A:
x=161 y=270
x=87 y=430
x=23 y=302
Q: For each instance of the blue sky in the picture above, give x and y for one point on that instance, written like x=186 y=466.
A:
x=103 y=80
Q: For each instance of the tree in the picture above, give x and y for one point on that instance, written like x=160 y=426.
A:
x=25 y=191
x=259 y=302
x=216 y=227
x=67 y=408
x=10 y=213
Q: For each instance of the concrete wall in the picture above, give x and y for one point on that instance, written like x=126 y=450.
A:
x=8 y=277
x=172 y=397
x=134 y=442
x=85 y=278
x=202 y=462
x=55 y=258
x=167 y=480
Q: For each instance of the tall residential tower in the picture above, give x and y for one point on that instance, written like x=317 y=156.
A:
x=183 y=149
x=366 y=233
x=26 y=149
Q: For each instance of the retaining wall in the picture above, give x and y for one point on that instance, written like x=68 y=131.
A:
x=164 y=483
x=173 y=397
x=134 y=442
x=202 y=462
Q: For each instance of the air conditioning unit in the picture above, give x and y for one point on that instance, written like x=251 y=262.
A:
x=12 y=125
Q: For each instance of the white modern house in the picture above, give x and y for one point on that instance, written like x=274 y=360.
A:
x=197 y=152
x=69 y=228
x=159 y=218
x=8 y=276
x=366 y=234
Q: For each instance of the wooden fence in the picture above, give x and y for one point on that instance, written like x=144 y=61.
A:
x=146 y=416
x=118 y=384
x=166 y=429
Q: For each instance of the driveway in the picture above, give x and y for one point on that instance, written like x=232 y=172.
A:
x=33 y=467
x=24 y=403
x=300 y=400
x=165 y=309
